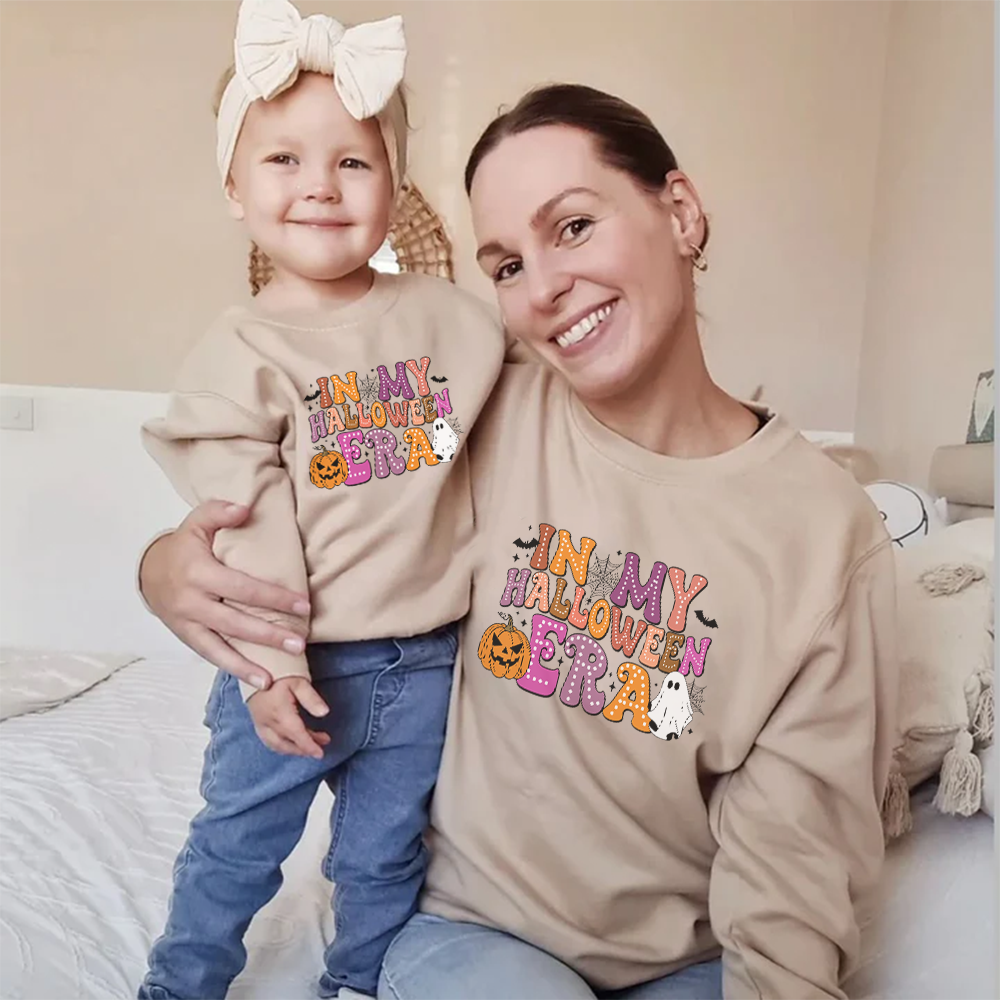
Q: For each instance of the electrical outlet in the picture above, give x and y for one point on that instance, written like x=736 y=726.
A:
x=17 y=413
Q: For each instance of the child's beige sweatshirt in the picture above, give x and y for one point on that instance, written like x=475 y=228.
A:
x=345 y=432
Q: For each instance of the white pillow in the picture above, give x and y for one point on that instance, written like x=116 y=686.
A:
x=978 y=536
x=945 y=641
x=988 y=758
x=31 y=681
x=910 y=514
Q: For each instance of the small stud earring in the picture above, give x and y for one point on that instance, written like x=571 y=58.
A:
x=699 y=260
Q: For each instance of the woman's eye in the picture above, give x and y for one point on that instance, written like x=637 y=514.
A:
x=507 y=271
x=352 y=164
x=575 y=227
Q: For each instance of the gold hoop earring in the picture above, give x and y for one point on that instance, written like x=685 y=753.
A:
x=698 y=258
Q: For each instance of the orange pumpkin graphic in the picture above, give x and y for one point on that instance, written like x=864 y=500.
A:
x=327 y=469
x=505 y=650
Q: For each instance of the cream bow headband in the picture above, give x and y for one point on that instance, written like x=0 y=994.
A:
x=274 y=43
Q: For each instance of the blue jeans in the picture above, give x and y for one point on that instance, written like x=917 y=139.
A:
x=388 y=705
x=436 y=959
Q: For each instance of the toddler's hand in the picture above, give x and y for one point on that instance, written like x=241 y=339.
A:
x=276 y=717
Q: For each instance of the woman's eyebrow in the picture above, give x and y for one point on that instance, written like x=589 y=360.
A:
x=553 y=203
x=537 y=219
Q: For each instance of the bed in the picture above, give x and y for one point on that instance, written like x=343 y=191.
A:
x=95 y=796
x=96 y=793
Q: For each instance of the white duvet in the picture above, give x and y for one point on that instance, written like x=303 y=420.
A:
x=95 y=797
x=32 y=681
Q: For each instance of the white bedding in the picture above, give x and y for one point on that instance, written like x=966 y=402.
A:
x=935 y=933
x=95 y=797
x=31 y=681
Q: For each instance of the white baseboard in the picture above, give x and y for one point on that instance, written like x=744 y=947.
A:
x=827 y=438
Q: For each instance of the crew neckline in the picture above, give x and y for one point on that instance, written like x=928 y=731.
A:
x=774 y=434
x=375 y=302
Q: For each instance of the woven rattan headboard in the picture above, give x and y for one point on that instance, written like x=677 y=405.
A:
x=418 y=237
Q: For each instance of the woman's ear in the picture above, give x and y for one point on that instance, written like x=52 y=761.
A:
x=233 y=200
x=687 y=216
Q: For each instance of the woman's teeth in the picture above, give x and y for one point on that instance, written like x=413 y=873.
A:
x=586 y=326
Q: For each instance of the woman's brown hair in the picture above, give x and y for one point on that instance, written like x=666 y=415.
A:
x=626 y=139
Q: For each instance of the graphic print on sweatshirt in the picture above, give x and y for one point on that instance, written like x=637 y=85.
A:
x=364 y=417
x=589 y=648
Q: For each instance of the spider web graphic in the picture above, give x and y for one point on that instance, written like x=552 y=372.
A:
x=368 y=387
x=696 y=695
x=603 y=577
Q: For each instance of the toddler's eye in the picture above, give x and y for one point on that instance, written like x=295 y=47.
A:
x=282 y=159
x=352 y=164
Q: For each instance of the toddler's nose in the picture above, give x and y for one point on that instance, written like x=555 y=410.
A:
x=322 y=187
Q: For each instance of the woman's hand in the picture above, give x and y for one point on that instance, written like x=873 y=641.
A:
x=185 y=586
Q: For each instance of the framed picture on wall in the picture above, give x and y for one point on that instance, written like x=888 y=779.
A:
x=981 y=418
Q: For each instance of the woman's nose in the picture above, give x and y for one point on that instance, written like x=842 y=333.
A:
x=547 y=285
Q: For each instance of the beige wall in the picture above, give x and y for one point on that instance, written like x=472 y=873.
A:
x=116 y=251
x=929 y=321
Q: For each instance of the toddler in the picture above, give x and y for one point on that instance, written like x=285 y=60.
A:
x=336 y=407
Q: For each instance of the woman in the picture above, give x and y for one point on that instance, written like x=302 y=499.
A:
x=708 y=597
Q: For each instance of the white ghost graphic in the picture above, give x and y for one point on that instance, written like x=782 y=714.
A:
x=445 y=442
x=670 y=711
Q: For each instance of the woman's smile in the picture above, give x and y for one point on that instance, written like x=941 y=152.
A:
x=586 y=327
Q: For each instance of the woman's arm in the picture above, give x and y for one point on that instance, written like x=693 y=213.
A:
x=185 y=586
x=799 y=823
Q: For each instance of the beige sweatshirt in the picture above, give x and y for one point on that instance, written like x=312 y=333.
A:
x=673 y=718
x=344 y=431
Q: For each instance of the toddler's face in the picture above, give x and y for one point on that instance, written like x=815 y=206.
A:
x=312 y=183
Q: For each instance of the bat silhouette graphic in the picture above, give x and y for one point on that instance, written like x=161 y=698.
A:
x=710 y=622
x=309 y=399
x=522 y=544
x=441 y=378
